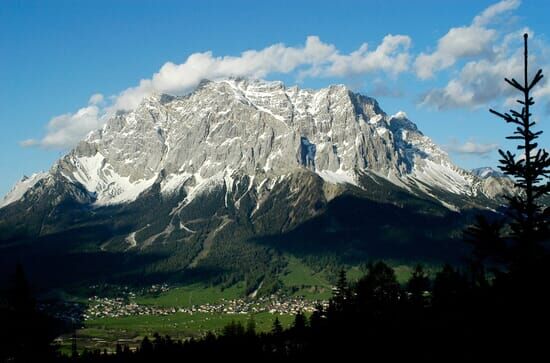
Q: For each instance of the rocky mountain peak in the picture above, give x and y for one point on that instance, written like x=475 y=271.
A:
x=487 y=172
x=229 y=129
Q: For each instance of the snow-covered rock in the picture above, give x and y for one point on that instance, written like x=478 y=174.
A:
x=487 y=171
x=263 y=130
x=20 y=188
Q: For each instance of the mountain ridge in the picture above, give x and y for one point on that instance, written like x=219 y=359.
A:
x=121 y=175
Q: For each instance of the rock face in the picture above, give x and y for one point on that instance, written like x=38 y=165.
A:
x=227 y=129
x=486 y=172
x=494 y=183
x=247 y=146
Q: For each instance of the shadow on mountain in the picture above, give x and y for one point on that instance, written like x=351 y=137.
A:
x=355 y=230
x=74 y=257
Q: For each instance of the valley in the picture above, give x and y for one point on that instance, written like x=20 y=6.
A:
x=124 y=315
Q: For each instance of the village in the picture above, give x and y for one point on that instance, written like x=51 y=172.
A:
x=103 y=307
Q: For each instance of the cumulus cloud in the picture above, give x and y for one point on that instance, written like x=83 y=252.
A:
x=314 y=59
x=96 y=99
x=456 y=44
x=320 y=59
x=489 y=14
x=67 y=129
x=481 y=82
x=463 y=42
x=470 y=147
x=180 y=78
x=492 y=55
x=391 y=57
x=541 y=93
x=477 y=84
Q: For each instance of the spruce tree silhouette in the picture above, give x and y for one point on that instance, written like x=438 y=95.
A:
x=26 y=333
x=340 y=295
x=251 y=327
x=418 y=284
x=74 y=350
x=530 y=171
x=378 y=290
x=21 y=299
x=146 y=348
x=300 y=323
x=277 y=328
x=449 y=289
x=516 y=248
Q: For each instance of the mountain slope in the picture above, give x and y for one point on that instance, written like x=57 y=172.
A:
x=196 y=178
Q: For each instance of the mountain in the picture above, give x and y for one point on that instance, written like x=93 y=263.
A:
x=240 y=170
x=487 y=172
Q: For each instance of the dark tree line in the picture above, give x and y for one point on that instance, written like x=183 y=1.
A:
x=25 y=333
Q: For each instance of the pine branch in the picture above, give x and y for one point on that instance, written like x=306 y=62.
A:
x=536 y=79
x=515 y=84
x=506 y=117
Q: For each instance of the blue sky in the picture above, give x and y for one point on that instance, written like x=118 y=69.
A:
x=66 y=65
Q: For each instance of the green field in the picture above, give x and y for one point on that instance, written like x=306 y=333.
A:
x=196 y=294
x=298 y=278
x=182 y=324
x=104 y=333
x=305 y=281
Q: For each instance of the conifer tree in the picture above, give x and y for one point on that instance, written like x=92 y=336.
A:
x=341 y=293
x=21 y=298
x=146 y=347
x=379 y=288
x=251 y=326
x=530 y=171
x=417 y=285
x=74 y=350
x=277 y=328
x=300 y=322
x=449 y=288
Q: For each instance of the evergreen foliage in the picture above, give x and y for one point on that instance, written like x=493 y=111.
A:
x=525 y=246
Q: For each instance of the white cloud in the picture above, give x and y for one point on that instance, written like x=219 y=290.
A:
x=96 y=99
x=477 y=84
x=470 y=147
x=314 y=59
x=180 y=78
x=463 y=42
x=493 y=55
x=456 y=44
x=67 y=129
x=320 y=59
x=28 y=142
x=391 y=56
x=493 y=11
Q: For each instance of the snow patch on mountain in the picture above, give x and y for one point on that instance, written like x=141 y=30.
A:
x=445 y=176
x=337 y=177
x=21 y=187
x=174 y=182
x=99 y=177
x=400 y=115
x=486 y=172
